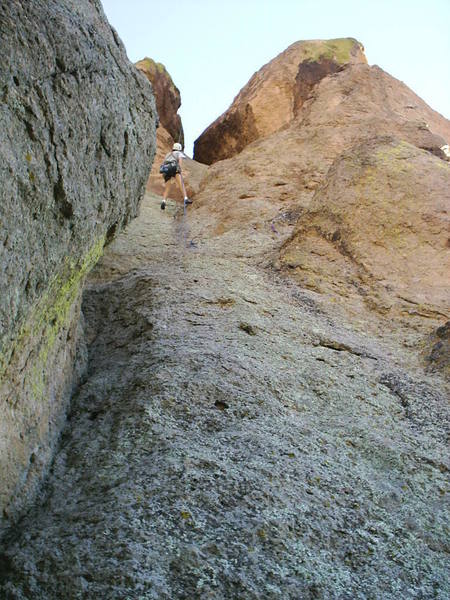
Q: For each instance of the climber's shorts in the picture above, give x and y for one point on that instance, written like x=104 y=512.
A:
x=168 y=176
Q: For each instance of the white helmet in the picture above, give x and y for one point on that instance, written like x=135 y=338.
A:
x=177 y=146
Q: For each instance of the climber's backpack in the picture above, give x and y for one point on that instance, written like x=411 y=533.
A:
x=169 y=167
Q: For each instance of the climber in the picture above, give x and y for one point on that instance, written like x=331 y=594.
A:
x=171 y=168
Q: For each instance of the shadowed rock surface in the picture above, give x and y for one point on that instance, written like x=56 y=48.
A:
x=78 y=137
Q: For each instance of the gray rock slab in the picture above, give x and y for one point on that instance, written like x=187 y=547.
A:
x=288 y=458
x=77 y=124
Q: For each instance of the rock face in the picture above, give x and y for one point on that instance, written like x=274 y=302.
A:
x=377 y=231
x=78 y=138
x=170 y=130
x=274 y=95
x=235 y=438
x=439 y=356
x=167 y=96
x=351 y=187
x=303 y=84
x=266 y=408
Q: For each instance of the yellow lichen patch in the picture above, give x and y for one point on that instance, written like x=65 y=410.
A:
x=443 y=165
x=222 y=302
x=262 y=534
x=401 y=152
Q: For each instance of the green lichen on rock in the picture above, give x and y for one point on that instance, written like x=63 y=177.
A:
x=50 y=316
x=338 y=49
x=396 y=157
x=153 y=67
x=398 y=149
x=63 y=187
x=38 y=365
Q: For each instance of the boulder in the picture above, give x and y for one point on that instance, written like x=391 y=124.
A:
x=274 y=95
x=78 y=128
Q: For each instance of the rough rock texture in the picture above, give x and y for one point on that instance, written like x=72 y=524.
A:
x=234 y=439
x=244 y=431
x=359 y=167
x=170 y=130
x=377 y=231
x=354 y=97
x=274 y=95
x=439 y=356
x=78 y=137
x=281 y=172
x=167 y=96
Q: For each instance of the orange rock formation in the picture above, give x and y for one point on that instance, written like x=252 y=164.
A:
x=274 y=95
x=353 y=191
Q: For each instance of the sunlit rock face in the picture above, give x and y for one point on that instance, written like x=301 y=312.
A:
x=359 y=185
x=376 y=232
x=274 y=95
x=78 y=138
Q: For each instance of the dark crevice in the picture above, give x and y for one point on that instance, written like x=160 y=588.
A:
x=342 y=347
x=61 y=201
x=309 y=74
x=30 y=131
x=125 y=146
x=111 y=232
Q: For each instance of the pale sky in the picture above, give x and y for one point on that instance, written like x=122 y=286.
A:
x=211 y=48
